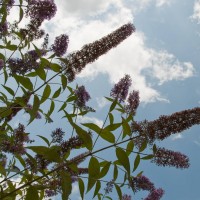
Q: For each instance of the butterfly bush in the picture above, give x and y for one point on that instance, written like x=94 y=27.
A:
x=70 y=154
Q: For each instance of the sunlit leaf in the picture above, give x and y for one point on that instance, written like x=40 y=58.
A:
x=123 y=159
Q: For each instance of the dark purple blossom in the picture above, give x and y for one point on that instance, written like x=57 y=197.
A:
x=72 y=143
x=156 y=194
x=76 y=61
x=34 y=55
x=165 y=126
x=82 y=97
x=120 y=90
x=41 y=9
x=57 y=135
x=3 y=28
x=133 y=102
x=126 y=197
x=141 y=183
x=164 y=157
x=50 y=193
x=32 y=30
x=79 y=159
x=60 y=45
x=109 y=187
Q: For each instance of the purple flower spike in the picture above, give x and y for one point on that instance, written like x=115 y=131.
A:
x=82 y=97
x=133 y=102
x=164 y=157
x=120 y=90
x=126 y=197
x=60 y=45
x=141 y=183
x=155 y=194
x=41 y=9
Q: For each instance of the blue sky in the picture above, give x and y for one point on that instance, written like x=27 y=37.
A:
x=162 y=58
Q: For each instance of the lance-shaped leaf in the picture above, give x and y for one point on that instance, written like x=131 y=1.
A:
x=97 y=188
x=103 y=133
x=66 y=184
x=93 y=171
x=24 y=81
x=81 y=187
x=136 y=162
x=32 y=193
x=46 y=94
x=123 y=159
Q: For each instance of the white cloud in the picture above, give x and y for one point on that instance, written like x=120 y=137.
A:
x=196 y=11
x=86 y=119
x=131 y=57
x=177 y=136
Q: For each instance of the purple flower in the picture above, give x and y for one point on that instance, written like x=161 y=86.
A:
x=165 y=126
x=82 y=96
x=141 y=183
x=79 y=159
x=156 y=194
x=29 y=107
x=76 y=61
x=50 y=193
x=41 y=9
x=109 y=187
x=133 y=102
x=3 y=28
x=34 y=55
x=60 y=45
x=57 y=135
x=120 y=90
x=1 y=64
x=164 y=157
x=126 y=197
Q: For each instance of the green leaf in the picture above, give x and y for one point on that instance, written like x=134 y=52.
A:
x=136 y=162
x=93 y=171
x=129 y=147
x=44 y=139
x=46 y=94
x=57 y=93
x=97 y=188
x=115 y=173
x=154 y=149
x=148 y=157
x=25 y=82
x=66 y=184
x=4 y=112
x=81 y=187
x=41 y=73
x=112 y=127
x=143 y=146
x=123 y=159
x=34 y=110
x=21 y=14
x=11 y=47
x=9 y=90
x=64 y=81
x=111 y=118
x=84 y=135
x=63 y=106
x=105 y=134
x=55 y=67
x=32 y=194
x=51 y=108
x=126 y=128
x=119 y=192
x=50 y=154
x=105 y=170
x=113 y=105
